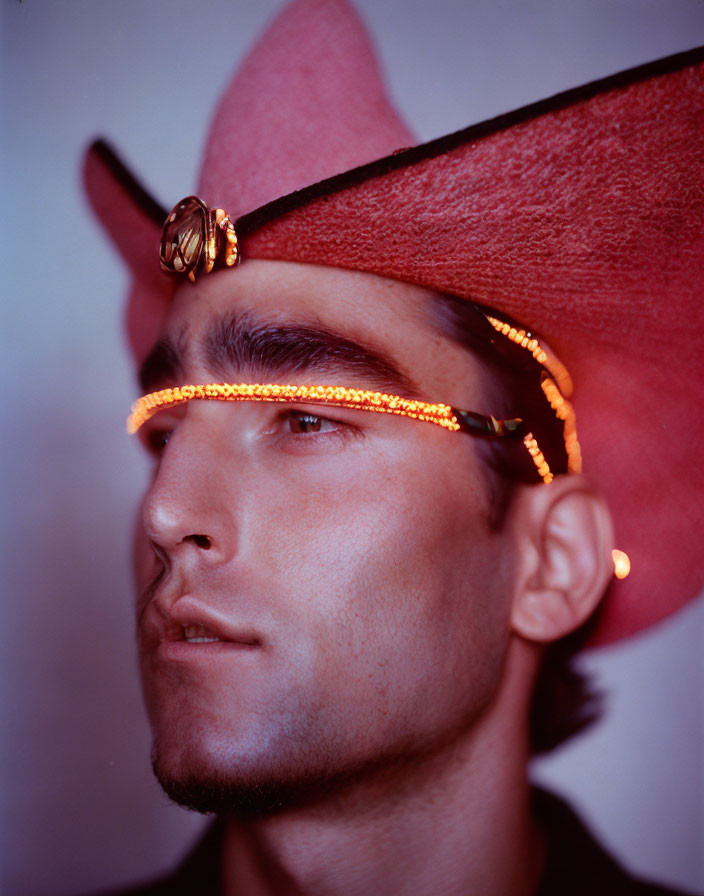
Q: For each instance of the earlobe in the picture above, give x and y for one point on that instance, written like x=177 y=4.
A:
x=564 y=536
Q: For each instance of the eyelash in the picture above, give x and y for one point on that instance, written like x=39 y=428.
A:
x=155 y=439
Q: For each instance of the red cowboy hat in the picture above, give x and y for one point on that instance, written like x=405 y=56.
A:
x=581 y=216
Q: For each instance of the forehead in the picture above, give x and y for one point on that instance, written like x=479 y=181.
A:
x=394 y=320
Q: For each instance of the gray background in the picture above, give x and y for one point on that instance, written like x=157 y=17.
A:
x=79 y=808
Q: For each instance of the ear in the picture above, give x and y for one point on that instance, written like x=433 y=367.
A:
x=564 y=536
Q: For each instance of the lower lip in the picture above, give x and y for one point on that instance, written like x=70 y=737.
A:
x=194 y=650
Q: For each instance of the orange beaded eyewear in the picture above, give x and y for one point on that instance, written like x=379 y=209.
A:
x=444 y=415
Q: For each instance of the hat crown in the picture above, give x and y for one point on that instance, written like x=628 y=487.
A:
x=307 y=102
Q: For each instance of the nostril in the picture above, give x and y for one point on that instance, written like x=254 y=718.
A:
x=201 y=541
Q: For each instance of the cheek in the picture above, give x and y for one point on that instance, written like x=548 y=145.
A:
x=395 y=583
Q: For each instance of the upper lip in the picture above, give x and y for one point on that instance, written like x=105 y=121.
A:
x=168 y=624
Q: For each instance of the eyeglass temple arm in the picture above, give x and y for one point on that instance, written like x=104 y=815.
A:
x=489 y=427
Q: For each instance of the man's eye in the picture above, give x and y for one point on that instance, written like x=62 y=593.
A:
x=155 y=440
x=309 y=423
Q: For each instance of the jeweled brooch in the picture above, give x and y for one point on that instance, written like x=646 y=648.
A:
x=196 y=237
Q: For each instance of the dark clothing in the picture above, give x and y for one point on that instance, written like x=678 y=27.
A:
x=576 y=864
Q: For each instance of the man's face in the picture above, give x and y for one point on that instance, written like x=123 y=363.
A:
x=343 y=560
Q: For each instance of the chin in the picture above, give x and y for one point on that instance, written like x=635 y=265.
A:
x=246 y=789
x=207 y=764
x=240 y=796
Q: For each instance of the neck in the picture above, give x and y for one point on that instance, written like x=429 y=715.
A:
x=457 y=821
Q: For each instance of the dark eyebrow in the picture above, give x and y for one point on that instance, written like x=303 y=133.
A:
x=260 y=350
x=162 y=366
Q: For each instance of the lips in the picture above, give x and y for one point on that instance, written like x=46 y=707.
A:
x=188 y=621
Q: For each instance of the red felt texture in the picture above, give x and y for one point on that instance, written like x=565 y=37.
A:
x=585 y=223
x=291 y=117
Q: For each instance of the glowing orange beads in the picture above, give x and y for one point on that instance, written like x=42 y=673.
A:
x=527 y=341
x=554 y=387
x=341 y=396
x=541 y=464
x=565 y=412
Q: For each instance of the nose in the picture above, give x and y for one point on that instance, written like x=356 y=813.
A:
x=187 y=510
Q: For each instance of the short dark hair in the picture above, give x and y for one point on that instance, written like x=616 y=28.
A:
x=565 y=701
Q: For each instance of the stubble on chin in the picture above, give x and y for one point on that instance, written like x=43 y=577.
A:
x=248 y=795
x=207 y=777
